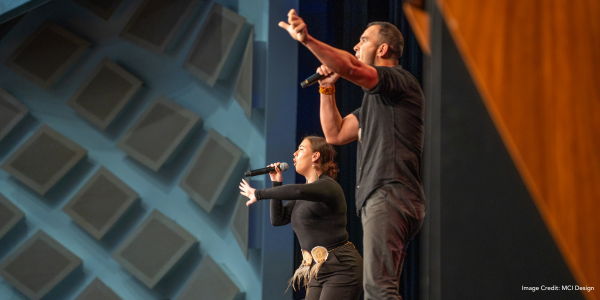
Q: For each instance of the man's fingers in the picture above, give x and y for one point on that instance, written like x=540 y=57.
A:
x=296 y=23
x=292 y=12
x=300 y=28
x=284 y=25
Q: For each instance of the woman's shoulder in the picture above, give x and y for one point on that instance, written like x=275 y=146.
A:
x=327 y=179
x=330 y=182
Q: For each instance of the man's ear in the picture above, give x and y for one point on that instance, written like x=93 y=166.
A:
x=316 y=156
x=383 y=50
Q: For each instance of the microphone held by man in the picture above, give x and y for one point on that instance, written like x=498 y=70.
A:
x=312 y=79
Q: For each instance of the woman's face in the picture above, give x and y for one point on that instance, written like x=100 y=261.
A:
x=303 y=158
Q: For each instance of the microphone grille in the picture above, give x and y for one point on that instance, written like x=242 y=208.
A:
x=283 y=166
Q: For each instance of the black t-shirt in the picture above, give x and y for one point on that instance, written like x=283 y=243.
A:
x=390 y=134
x=316 y=210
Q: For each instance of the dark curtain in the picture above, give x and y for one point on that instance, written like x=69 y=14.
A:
x=340 y=24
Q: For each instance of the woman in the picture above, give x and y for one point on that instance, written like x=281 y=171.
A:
x=332 y=268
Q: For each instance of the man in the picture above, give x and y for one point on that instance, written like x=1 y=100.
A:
x=389 y=130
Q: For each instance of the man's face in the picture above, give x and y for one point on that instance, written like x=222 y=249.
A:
x=366 y=49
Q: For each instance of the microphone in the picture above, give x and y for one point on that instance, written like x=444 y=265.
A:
x=282 y=166
x=312 y=80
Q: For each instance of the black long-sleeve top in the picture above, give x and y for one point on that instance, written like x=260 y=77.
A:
x=316 y=210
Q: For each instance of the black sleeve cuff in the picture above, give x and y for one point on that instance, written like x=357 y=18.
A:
x=259 y=194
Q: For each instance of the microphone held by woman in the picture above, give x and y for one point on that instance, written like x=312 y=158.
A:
x=283 y=166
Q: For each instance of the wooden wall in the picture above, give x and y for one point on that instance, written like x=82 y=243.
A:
x=536 y=64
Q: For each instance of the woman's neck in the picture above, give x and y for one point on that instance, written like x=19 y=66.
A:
x=313 y=176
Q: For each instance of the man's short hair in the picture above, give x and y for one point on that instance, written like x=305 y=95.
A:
x=389 y=34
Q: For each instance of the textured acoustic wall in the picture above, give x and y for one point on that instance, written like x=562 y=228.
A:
x=97 y=133
x=11 y=112
x=47 y=54
x=97 y=290
x=213 y=44
x=38 y=265
x=536 y=66
x=104 y=94
x=156 y=22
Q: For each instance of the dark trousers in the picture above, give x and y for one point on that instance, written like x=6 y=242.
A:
x=391 y=217
x=340 y=276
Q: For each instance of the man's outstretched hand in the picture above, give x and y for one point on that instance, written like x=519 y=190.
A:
x=296 y=27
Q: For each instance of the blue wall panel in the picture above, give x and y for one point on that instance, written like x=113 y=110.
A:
x=260 y=138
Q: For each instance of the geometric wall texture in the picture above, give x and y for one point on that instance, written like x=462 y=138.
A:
x=155 y=23
x=243 y=87
x=158 y=132
x=211 y=169
x=536 y=66
x=102 y=123
x=154 y=248
x=105 y=93
x=239 y=225
x=38 y=265
x=10 y=215
x=97 y=290
x=11 y=112
x=44 y=159
x=103 y=8
x=210 y=281
x=100 y=203
x=214 y=43
x=47 y=54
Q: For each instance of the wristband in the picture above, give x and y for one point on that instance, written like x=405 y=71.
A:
x=327 y=90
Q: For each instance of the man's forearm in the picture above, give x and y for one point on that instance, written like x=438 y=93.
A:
x=331 y=120
x=338 y=60
x=343 y=63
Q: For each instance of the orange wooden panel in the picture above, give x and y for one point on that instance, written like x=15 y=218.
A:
x=536 y=64
x=419 y=22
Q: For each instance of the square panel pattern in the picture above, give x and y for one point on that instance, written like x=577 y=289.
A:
x=103 y=8
x=243 y=87
x=158 y=132
x=44 y=159
x=47 y=54
x=154 y=248
x=240 y=224
x=100 y=203
x=97 y=290
x=104 y=93
x=210 y=169
x=11 y=112
x=210 y=281
x=38 y=265
x=214 y=43
x=155 y=23
x=10 y=215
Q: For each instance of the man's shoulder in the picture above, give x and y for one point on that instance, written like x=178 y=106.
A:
x=396 y=70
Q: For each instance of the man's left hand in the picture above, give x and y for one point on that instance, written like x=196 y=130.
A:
x=296 y=27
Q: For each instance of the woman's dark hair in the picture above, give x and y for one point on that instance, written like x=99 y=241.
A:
x=319 y=144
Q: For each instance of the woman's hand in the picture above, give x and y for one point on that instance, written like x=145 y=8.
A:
x=248 y=191
x=276 y=176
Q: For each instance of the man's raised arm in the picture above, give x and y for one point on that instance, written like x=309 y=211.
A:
x=341 y=62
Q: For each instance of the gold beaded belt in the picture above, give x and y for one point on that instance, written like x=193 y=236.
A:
x=304 y=273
